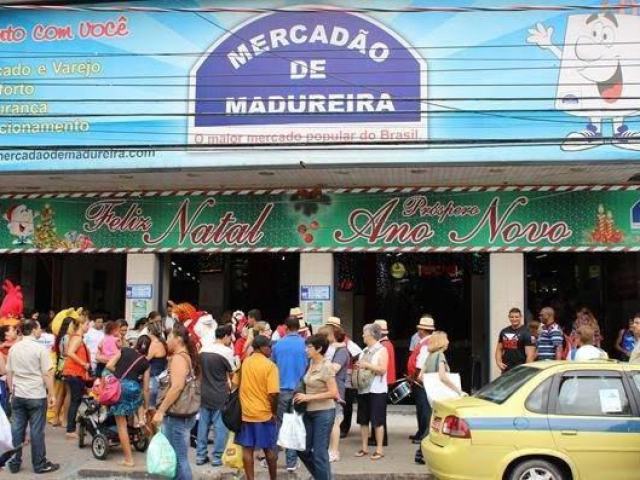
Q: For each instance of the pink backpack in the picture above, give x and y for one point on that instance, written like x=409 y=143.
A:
x=110 y=388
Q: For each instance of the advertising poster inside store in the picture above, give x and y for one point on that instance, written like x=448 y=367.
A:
x=196 y=84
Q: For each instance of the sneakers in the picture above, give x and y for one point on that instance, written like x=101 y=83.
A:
x=293 y=468
x=627 y=139
x=216 y=462
x=14 y=467
x=588 y=138
x=48 y=468
x=202 y=461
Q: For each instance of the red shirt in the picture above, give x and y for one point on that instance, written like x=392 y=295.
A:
x=391 y=367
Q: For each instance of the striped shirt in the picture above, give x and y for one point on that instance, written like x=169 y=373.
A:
x=549 y=340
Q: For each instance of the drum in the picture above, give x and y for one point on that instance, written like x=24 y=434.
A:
x=400 y=392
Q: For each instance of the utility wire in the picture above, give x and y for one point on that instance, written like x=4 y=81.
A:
x=219 y=99
x=322 y=9
x=426 y=144
x=261 y=75
x=596 y=111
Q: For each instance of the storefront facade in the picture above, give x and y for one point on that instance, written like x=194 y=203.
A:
x=350 y=157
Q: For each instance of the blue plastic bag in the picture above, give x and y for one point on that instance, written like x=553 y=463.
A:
x=161 y=458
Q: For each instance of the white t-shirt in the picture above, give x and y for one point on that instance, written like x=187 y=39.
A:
x=379 y=384
x=589 y=352
x=92 y=340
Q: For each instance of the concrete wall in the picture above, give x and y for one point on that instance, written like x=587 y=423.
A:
x=317 y=269
x=506 y=290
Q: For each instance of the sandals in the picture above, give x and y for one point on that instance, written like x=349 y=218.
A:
x=377 y=456
x=361 y=453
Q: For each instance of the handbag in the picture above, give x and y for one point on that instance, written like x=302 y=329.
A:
x=109 y=389
x=362 y=378
x=300 y=408
x=188 y=403
x=232 y=411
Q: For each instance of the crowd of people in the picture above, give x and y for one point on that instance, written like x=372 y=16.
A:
x=165 y=361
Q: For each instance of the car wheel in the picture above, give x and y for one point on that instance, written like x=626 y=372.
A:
x=82 y=433
x=100 y=447
x=536 y=469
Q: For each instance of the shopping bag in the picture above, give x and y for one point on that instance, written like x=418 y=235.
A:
x=6 y=441
x=232 y=456
x=436 y=390
x=232 y=412
x=292 y=434
x=161 y=458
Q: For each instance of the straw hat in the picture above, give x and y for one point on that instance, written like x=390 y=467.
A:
x=426 y=323
x=296 y=312
x=383 y=326
x=334 y=321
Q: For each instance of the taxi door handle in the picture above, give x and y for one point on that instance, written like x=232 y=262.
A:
x=569 y=432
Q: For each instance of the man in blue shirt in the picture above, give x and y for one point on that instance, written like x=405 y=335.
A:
x=290 y=355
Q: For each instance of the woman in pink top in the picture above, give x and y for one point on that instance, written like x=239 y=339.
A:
x=109 y=347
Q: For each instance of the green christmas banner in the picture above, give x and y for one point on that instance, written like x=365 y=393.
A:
x=457 y=219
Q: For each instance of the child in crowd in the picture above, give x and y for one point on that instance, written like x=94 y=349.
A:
x=109 y=347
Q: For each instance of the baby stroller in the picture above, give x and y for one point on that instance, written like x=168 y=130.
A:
x=95 y=420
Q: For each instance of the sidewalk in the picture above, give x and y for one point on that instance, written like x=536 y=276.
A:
x=397 y=464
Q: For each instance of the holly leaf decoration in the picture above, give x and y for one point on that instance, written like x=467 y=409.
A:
x=308 y=201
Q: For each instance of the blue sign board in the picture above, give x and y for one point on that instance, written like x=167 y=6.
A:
x=141 y=291
x=318 y=293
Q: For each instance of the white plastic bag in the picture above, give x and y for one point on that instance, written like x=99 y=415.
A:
x=6 y=440
x=161 y=458
x=436 y=390
x=292 y=434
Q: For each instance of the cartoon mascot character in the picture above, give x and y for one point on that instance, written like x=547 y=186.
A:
x=20 y=222
x=599 y=75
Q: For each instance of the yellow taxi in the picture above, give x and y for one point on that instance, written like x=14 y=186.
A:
x=542 y=421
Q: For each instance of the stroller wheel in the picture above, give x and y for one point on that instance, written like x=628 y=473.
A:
x=100 y=446
x=141 y=442
x=82 y=433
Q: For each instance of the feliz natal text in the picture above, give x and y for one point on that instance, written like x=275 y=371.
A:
x=187 y=222
x=314 y=69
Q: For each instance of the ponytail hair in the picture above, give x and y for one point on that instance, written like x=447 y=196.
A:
x=181 y=332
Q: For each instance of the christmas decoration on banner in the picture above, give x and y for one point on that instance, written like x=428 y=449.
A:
x=606 y=230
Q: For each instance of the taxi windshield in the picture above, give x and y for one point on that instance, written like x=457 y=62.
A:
x=507 y=384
